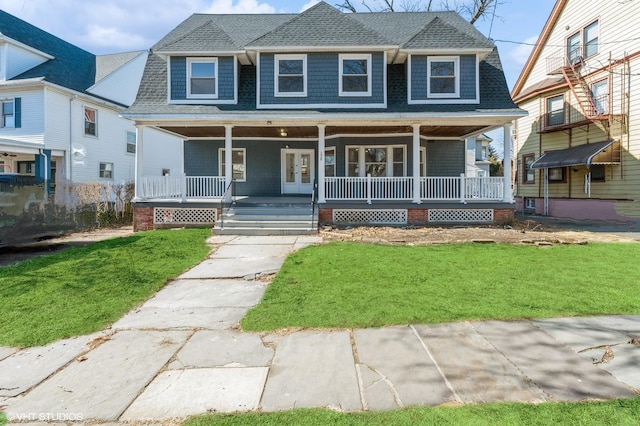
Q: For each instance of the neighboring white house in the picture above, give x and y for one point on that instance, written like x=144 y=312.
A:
x=60 y=111
x=578 y=149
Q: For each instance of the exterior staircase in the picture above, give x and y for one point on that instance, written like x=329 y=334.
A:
x=267 y=219
x=582 y=92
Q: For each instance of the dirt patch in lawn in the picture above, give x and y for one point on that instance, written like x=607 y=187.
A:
x=520 y=232
x=10 y=255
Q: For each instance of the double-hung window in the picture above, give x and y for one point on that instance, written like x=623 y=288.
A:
x=583 y=43
x=528 y=174
x=8 y=114
x=600 y=93
x=131 y=142
x=355 y=75
x=238 y=161
x=202 y=81
x=555 y=111
x=444 y=77
x=290 y=75
x=90 y=122
x=106 y=171
x=330 y=162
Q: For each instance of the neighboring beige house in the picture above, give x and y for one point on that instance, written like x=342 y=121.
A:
x=578 y=150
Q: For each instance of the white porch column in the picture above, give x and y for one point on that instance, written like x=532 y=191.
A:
x=416 y=163
x=139 y=163
x=506 y=164
x=228 y=158
x=321 y=145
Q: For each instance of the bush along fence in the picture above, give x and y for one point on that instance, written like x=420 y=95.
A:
x=28 y=213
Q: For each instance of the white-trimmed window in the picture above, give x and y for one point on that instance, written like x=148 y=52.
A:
x=423 y=161
x=8 y=114
x=131 y=142
x=90 y=121
x=444 y=77
x=555 y=111
x=600 y=93
x=355 y=75
x=202 y=78
x=106 y=171
x=376 y=161
x=330 y=162
x=239 y=162
x=290 y=75
x=583 y=43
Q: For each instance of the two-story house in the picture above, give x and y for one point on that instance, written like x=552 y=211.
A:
x=60 y=107
x=578 y=154
x=379 y=111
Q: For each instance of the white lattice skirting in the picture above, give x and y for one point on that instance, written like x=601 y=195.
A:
x=373 y=217
x=460 y=215
x=165 y=215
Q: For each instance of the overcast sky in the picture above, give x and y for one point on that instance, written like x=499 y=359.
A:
x=109 y=26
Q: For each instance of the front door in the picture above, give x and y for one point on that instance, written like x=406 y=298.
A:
x=297 y=171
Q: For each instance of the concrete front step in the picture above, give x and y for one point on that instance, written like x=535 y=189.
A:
x=266 y=223
x=264 y=231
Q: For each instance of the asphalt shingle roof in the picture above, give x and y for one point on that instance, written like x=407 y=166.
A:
x=72 y=67
x=322 y=25
x=208 y=37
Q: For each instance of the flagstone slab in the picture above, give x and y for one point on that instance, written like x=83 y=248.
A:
x=234 y=268
x=582 y=333
x=103 y=385
x=182 y=393
x=165 y=318
x=28 y=367
x=557 y=369
x=208 y=294
x=313 y=369
x=474 y=368
x=396 y=371
x=223 y=348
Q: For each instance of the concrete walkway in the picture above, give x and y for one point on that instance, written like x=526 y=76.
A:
x=181 y=354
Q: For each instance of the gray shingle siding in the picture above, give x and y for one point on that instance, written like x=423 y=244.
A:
x=445 y=158
x=322 y=81
x=420 y=77
x=226 y=78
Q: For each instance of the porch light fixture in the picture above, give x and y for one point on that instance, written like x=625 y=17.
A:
x=283 y=132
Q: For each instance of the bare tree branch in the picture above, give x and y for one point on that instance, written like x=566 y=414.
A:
x=346 y=6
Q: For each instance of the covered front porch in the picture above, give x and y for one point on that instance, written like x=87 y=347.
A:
x=336 y=166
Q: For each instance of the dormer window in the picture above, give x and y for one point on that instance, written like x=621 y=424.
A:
x=355 y=75
x=291 y=75
x=202 y=80
x=444 y=77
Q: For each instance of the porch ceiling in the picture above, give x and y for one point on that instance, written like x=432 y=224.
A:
x=311 y=132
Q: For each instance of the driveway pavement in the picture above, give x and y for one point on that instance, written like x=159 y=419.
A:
x=181 y=354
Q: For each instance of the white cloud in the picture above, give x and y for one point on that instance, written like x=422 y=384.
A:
x=309 y=4
x=521 y=53
x=239 y=6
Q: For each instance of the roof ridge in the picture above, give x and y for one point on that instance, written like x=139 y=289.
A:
x=203 y=25
x=439 y=21
x=328 y=7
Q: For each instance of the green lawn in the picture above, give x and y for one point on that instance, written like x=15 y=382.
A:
x=619 y=412
x=359 y=285
x=83 y=290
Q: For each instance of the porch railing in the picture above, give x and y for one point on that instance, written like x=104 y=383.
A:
x=182 y=187
x=401 y=188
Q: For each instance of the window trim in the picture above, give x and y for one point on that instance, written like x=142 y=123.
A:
x=341 y=75
x=84 y=121
x=201 y=60
x=244 y=162
x=422 y=164
x=101 y=170
x=4 y=117
x=276 y=75
x=525 y=169
x=127 y=143
x=581 y=48
x=362 y=163
x=595 y=99
x=335 y=163
x=563 y=179
x=456 y=76
x=604 y=173
x=547 y=111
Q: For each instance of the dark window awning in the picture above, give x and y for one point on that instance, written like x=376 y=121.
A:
x=582 y=155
